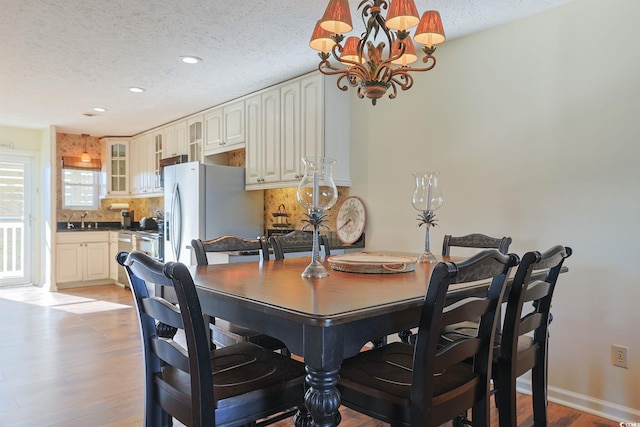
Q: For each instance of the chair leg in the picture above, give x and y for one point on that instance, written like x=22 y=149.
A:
x=480 y=413
x=379 y=342
x=405 y=336
x=539 y=395
x=506 y=400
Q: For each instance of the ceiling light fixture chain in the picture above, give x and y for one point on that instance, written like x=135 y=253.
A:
x=374 y=68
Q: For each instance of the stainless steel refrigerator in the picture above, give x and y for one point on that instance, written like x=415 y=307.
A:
x=207 y=201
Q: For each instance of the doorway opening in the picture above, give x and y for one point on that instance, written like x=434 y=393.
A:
x=16 y=216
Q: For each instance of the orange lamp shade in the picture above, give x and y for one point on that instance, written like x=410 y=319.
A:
x=321 y=39
x=430 y=31
x=402 y=15
x=85 y=157
x=409 y=56
x=337 y=17
x=350 y=51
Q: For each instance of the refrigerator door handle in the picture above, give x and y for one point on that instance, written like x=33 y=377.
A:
x=176 y=215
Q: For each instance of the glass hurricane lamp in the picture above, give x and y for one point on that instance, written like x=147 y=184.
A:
x=427 y=198
x=316 y=192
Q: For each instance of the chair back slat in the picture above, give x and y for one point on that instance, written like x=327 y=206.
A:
x=297 y=241
x=228 y=243
x=456 y=352
x=537 y=290
x=475 y=240
x=468 y=308
x=162 y=310
x=171 y=353
x=530 y=322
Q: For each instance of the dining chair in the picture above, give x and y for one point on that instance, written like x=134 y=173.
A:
x=231 y=386
x=429 y=384
x=297 y=241
x=519 y=351
x=225 y=333
x=476 y=240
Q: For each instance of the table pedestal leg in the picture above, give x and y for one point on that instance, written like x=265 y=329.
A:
x=322 y=399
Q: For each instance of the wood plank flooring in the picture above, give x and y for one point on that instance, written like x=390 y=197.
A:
x=72 y=358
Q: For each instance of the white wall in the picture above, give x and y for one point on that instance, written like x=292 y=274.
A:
x=534 y=129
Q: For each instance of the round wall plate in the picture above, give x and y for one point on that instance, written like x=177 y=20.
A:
x=351 y=219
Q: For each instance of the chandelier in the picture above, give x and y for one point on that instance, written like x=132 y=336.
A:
x=369 y=66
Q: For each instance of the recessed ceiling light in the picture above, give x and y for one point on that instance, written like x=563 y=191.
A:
x=136 y=89
x=190 y=59
x=99 y=109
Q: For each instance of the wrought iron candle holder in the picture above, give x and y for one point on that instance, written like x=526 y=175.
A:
x=427 y=197
x=316 y=192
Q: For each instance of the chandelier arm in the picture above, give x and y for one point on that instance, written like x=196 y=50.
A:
x=384 y=71
x=427 y=68
x=393 y=94
x=403 y=79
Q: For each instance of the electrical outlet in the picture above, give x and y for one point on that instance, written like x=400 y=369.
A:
x=619 y=356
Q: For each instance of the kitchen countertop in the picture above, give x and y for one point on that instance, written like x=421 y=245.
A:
x=101 y=226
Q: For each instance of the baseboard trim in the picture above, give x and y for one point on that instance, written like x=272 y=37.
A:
x=600 y=408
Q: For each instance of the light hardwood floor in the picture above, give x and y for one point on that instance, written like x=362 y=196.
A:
x=72 y=358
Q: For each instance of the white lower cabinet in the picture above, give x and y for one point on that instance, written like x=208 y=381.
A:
x=82 y=257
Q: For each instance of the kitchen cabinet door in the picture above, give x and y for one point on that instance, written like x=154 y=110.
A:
x=253 y=160
x=174 y=140
x=214 y=138
x=195 y=138
x=290 y=154
x=136 y=169
x=97 y=261
x=225 y=128
x=69 y=262
x=116 y=165
x=263 y=139
x=311 y=118
x=270 y=153
x=234 y=125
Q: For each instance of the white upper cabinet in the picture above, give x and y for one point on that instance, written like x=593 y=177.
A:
x=314 y=122
x=225 y=128
x=263 y=138
x=146 y=152
x=195 y=138
x=174 y=140
x=116 y=166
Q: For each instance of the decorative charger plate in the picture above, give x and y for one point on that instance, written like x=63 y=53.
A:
x=373 y=263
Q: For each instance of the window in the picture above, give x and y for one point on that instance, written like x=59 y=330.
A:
x=80 y=189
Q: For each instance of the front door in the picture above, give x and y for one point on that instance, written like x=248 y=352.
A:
x=16 y=186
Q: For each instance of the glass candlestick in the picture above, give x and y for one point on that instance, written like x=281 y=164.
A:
x=316 y=192
x=427 y=197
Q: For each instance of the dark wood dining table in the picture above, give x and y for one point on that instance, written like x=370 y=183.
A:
x=323 y=320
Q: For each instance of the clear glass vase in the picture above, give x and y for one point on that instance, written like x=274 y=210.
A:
x=316 y=192
x=427 y=197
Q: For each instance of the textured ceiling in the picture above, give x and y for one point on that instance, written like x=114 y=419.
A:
x=61 y=58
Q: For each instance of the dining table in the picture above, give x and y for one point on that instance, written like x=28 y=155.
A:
x=323 y=320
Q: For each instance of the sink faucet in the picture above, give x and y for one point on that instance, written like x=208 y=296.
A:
x=69 y=224
x=82 y=219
